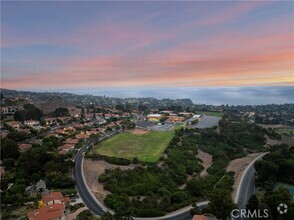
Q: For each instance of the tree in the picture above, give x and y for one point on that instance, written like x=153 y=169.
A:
x=30 y=112
x=252 y=203
x=83 y=112
x=18 y=116
x=221 y=203
x=279 y=196
x=266 y=169
x=59 y=112
x=9 y=149
x=8 y=163
x=193 y=187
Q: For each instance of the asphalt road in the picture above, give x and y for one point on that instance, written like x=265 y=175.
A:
x=97 y=208
x=81 y=185
x=247 y=185
x=245 y=190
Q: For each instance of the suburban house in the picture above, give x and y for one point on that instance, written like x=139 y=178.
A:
x=66 y=147
x=52 y=207
x=154 y=117
x=78 y=126
x=81 y=136
x=24 y=147
x=14 y=124
x=185 y=114
x=63 y=120
x=50 y=121
x=8 y=110
x=100 y=120
x=98 y=115
x=31 y=123
x=175 y=119
x=71 y=141
x=204 y=217
x=48 y=212
x=54 y=198
x=89 y=117
x=4 y=134
x=107 y=116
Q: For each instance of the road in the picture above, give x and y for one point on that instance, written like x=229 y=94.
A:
x=244 y=191
x=97 y=208
x=81 y=184
x=246 y=187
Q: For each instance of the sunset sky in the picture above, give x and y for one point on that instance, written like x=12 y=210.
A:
x=120 y=47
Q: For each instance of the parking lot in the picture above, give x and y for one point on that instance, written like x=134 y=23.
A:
x=206 y=122
x=154 y=127
x=162 y=127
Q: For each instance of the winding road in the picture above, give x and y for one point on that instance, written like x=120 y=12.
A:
x=99 y=209
x=244 y=191
x=246 y=187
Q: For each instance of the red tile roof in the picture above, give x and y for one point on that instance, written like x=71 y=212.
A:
x=49 y=212
x=71 y=141
x=66 y=147
x=52 y=196
x=24 y=147
x=200 y=217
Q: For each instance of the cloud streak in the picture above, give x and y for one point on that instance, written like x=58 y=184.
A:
x=128 y=46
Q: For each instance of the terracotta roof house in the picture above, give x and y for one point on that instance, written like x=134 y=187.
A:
x=78 y=125
x=66 y=147
x=54 y=198
x=81 y=136
x=49 y=212
x=71 y=141
x=24 y=147
x=204 y=217
x=4 y=134
x=14 y=124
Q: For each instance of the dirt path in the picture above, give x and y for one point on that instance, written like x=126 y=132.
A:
x=93 y=169
x=238 y=166
x=139 y=131
x=74 y=215
x=206 y=161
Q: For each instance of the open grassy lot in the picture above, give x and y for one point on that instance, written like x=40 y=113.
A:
x=215 y=114
x=146 y=146
x=286 y=131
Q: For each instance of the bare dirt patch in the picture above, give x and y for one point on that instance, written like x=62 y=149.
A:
x=139 y=131
x=93 y=169
x=238 y=166
x=206 y=161
x=284 y=140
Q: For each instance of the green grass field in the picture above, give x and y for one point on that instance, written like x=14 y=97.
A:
x=287 y=131
x=146 y=147
x=215 y=114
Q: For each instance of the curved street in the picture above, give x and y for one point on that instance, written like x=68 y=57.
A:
x=244 y=192
x=97 y=208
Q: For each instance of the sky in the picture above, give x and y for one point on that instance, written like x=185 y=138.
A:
x=216 y=52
